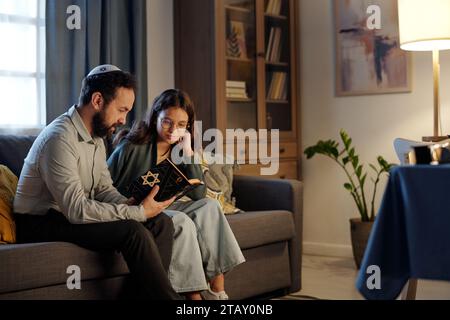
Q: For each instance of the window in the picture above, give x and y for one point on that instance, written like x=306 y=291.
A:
x=22 y=64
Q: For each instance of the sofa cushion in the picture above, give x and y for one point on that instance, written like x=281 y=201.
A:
x=8 y=185
x=218 y=177
x=13 y=150
x=257 y=228
x=34 y=265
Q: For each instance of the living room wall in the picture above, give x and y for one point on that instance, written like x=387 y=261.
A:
x=373 y=121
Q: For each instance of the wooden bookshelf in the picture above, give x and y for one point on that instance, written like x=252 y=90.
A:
x=240 y=100
x=203 y=38
x=277 y=101
x=277 y=64
x=232 y=59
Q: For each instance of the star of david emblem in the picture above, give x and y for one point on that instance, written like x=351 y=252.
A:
x=148 y=176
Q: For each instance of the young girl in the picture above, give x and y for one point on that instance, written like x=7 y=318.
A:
x=204 y=245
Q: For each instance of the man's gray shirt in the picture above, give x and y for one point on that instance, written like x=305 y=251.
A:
x=66 y=170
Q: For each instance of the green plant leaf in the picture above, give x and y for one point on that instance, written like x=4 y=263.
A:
x=345 y=138
x=327 y=148
x=351 y=153
x=348 y=186
x=363 y=180
x=358 y=171
x=355 y=161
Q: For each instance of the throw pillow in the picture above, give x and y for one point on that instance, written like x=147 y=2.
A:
x=219 y=183
x=8 y=185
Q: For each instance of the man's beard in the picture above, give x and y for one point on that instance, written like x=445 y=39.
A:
x=100 y=128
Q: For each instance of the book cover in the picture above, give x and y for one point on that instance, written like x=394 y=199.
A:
x=169 y=178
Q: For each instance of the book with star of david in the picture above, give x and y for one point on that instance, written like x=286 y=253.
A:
x=169 y=178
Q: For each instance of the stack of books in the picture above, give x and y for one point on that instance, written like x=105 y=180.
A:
x=278 y=86
x=236 y=90
x=273 y=53
x=273 y=7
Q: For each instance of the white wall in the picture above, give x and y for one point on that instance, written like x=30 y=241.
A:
x=160 y=43
x=372 y=121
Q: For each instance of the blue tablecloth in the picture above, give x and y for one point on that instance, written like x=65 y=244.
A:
x=411 y=234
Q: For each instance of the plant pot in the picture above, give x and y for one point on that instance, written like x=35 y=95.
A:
x=359 y=232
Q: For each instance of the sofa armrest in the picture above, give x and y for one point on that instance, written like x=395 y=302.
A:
x=260 y=194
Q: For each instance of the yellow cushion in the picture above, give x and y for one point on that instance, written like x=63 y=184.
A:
x=8 y=185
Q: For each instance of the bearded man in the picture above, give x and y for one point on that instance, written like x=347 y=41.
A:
x=65 y=191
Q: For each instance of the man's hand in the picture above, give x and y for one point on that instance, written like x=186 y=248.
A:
x=151 y=207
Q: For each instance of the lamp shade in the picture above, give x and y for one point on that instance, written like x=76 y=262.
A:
x=424 y=24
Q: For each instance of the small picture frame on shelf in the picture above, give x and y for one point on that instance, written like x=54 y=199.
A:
x=236 y=43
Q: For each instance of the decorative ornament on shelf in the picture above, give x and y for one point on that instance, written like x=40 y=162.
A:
x=233 y=48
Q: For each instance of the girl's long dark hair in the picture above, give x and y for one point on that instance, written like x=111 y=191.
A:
x=142 y=131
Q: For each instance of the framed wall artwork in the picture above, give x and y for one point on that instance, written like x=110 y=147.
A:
x=369 y=60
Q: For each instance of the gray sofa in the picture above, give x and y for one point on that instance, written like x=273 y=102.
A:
x=269 y=233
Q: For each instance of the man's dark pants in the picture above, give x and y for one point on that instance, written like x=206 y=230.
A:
x=146 y=247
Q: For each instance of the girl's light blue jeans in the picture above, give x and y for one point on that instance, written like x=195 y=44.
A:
x=204 y=244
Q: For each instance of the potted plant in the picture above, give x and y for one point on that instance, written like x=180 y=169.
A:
x=348 y=160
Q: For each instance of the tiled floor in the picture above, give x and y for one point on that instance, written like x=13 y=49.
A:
x=334 y=278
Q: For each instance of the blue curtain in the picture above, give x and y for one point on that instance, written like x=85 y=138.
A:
x=112 y=31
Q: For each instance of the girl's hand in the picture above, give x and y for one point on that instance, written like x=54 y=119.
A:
x=185 y=141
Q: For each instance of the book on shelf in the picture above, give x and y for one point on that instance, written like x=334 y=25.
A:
x=270 y=44
x=169 y=178
x=278 y=86
x=237 y=96
x=236 y=91
x=236 y=43
x=274 y=45
x=272 y=87
x=235 y=84
x=276 y=49
x=274 y=7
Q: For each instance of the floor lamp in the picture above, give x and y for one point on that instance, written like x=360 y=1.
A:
x=425 y=26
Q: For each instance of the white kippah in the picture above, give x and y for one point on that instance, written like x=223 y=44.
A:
x=104 y=68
